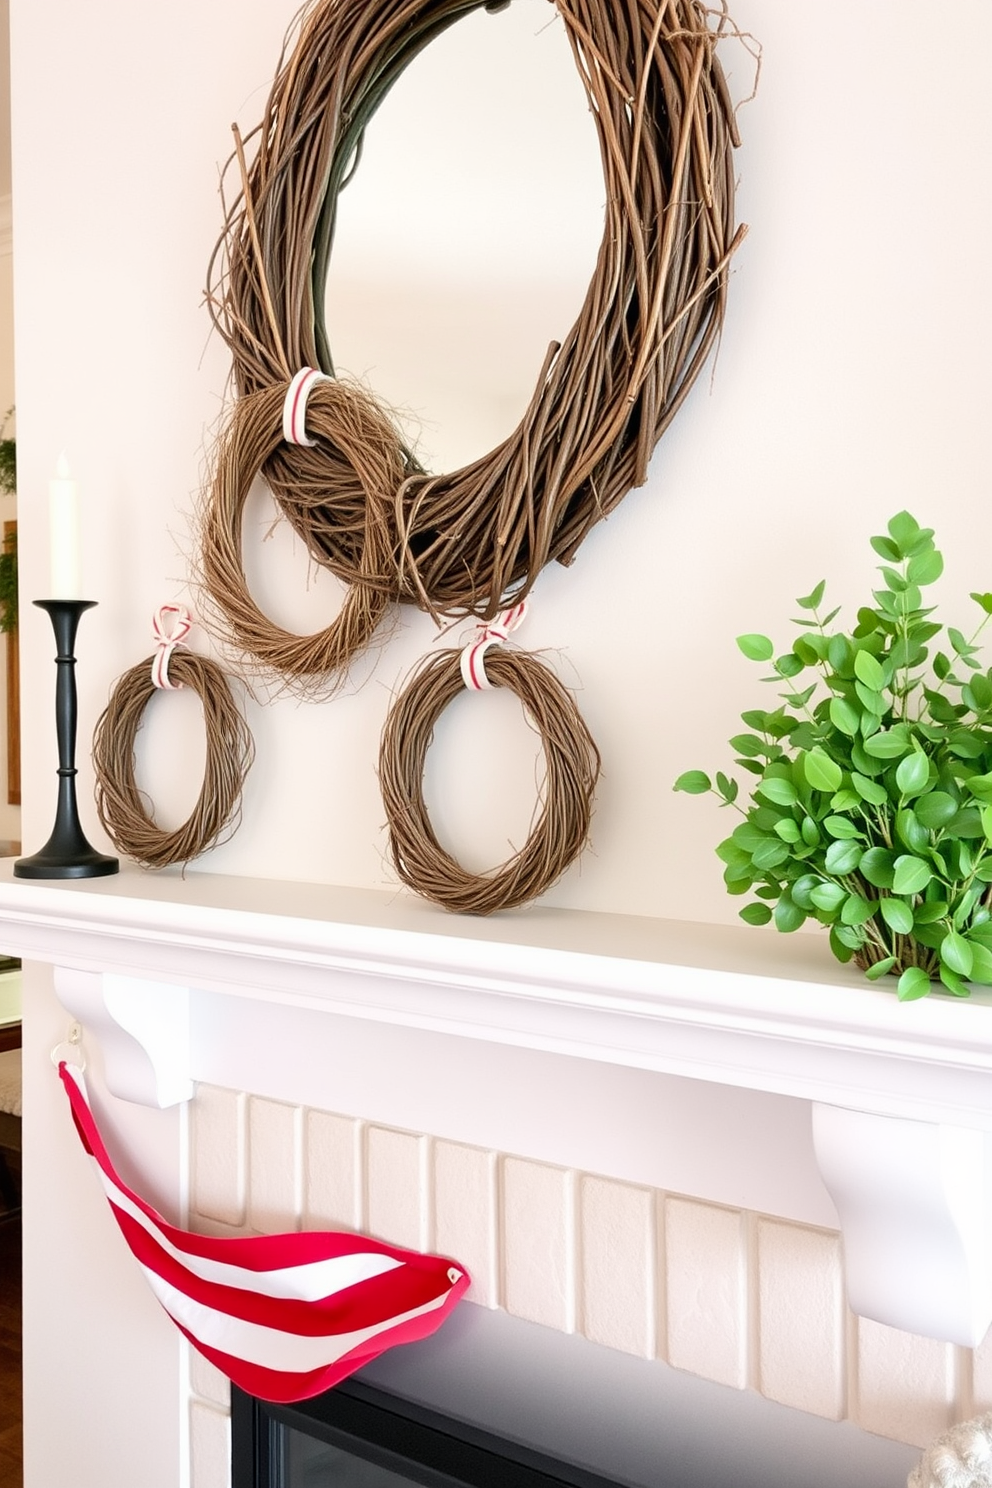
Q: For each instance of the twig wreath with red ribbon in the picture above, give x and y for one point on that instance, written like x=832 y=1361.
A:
x=561 y=825
x=126 y=818
x=462 y=542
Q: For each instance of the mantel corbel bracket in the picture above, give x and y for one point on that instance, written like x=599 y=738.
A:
x=915 y=1206
x=142 y=1028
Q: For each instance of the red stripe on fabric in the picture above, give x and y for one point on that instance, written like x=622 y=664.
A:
x=283 y=1387
x=392 y=1292
x=371 y=1303
x=253 y=1252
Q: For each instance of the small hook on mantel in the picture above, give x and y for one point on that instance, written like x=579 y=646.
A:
x=70 y=1050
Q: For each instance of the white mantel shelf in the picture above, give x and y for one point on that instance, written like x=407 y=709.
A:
x=901 y=1094
x=734 y=1005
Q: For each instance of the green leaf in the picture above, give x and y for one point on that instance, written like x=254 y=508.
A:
x=731 y=852
x=728 y=788
x=787 y=829
x=755 y=914
x=961 y=646
x=936 y=809
x=966 y=745
x=953 y=982
x=926 y=567
x=891 y=743
x=911 y=832
x=880 y=968
x=911 y=875
x=789 y=665
x=877 y=867
x=812 y=600
x=842 y=857
x=886 y=548
x=980 y=786
x=963 y=912
x=841 y=826
x=956 y=954
x=811 y=832
x=985 y=600
x=693 y=782
x=748 y=744
x=981 y=964
x=844 y=716
x=755 y=719
x=839 y=655
x=856 y=910
x=897 y=914
x=850 y=935
x=802 y=888
x=931 y=910
x=985 y=815
x=966 y=823
x=837 y=946
x=913 y=773
x=776 y=788
x=914 y=983
x=770 y=854
x=903 y=530
x=981 y=691
x=788 y=916
x=756 y=647
x=868 y=669
x=828 y=896
x=869 y=790
x=872 y=702
x=821 y=771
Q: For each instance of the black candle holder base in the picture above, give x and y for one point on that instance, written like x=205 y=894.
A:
x=52 y=863
x=66 y=854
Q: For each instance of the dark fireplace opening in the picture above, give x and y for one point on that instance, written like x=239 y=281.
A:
x=360 y=1436
x=489 y=1393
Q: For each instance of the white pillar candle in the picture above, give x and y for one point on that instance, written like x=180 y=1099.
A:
x=63 y=520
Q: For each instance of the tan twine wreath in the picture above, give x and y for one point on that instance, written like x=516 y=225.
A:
x=229 y=754
x=466 y=541
x=561 y=826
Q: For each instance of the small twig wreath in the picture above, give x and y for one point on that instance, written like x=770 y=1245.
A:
x=462 y=542
x=230 y=752
x=364 y=449
x=561 y=826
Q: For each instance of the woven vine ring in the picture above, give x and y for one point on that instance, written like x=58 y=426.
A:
x=462 y=542
x=561 y=826
x=121 y=807
x=355 y=461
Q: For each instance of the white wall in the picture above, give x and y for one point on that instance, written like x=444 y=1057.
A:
x=853 y=379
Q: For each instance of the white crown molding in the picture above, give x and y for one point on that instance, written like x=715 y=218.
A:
x=738 y=1007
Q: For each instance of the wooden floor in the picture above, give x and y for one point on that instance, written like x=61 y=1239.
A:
x=11 y=1471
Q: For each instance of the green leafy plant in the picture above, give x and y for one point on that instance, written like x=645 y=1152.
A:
x=8 y=457
x=871 y=783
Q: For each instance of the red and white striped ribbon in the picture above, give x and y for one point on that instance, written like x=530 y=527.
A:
x=294 y=409
x=166 y=641
x=283 y=1316
x=492 y=633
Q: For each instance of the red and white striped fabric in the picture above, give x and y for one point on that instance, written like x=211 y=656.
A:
x=283 y=1316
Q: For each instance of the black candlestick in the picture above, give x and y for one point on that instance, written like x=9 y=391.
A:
x=66 y=854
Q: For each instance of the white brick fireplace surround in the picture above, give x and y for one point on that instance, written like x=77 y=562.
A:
x=662 y=1137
